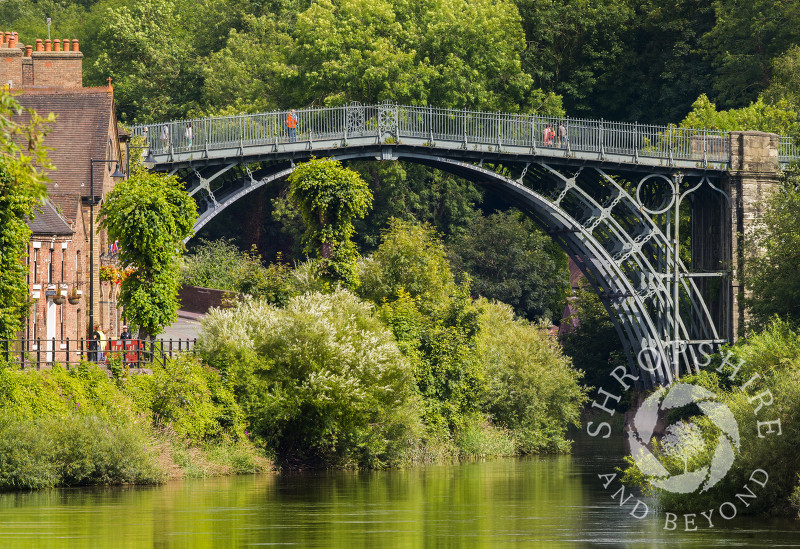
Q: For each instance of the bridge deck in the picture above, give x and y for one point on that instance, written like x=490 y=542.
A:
x=466 y=134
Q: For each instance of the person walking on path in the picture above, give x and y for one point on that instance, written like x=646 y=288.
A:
x=188 y=134
x=125 y=333
x=291 y=125
x=562 y=135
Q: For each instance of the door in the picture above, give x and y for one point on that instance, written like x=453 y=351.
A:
x=50 y=330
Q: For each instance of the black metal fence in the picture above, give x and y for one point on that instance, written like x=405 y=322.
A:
x=136 y=353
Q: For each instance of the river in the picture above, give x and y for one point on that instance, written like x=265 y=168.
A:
x=554 y=501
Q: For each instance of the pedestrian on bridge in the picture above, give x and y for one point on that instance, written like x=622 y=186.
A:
x=562 y=135
x=291 y=125
x=547 y=134
x=188 y=134
x=165 y=137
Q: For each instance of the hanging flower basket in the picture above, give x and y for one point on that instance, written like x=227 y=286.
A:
x=74 y=298
x=59 y=298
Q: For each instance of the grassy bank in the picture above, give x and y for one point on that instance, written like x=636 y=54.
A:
x=80 y=427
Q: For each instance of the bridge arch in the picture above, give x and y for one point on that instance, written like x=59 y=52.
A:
x=610 y=195
x=623 y=253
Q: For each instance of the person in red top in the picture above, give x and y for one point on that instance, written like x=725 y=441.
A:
x=291 y=125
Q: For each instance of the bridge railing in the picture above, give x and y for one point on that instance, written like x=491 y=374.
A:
x=462 y=128
x=788 y=149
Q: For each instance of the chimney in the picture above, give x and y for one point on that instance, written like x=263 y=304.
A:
x=59 y=66
x=10 y=62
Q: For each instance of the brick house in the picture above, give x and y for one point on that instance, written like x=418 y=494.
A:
x=48 y=77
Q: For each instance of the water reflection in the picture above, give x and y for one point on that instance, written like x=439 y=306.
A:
x=532 y=502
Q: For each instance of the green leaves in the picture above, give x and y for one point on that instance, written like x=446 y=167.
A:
x=321 y=381
x=511 y=261
x=23 y=161
x=772 y=273
x=330 y=197
x=151 y=215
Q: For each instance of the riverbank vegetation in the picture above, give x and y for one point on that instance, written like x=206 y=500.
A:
x=405 y=368
x=80 y=427
x=758 y=379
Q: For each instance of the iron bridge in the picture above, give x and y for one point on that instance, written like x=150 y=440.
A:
x=615 y=196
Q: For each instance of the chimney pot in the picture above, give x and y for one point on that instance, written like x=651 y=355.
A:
x=47 y=45
x=66 y=44
x=39 y=46
x=56 y=45
x=75 y=45
x=7 y=36
x=28 y=50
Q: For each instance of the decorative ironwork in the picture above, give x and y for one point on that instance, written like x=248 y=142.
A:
x=387 y=119
x=621 y=228
x=355 y=119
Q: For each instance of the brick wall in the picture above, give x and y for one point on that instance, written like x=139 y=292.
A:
x=199 y=300
x=56 y=64
x=58 y=69
x=10 y=65
x=54 y=264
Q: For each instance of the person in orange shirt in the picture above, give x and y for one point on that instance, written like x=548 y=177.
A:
x=291 y=125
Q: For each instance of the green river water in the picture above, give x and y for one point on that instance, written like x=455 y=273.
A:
x=528 y=502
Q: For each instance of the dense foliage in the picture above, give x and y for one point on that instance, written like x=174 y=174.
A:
x=510 y=260
x=321 y=381
x=80 y=427
x=772 y=278
x=23 y=160
x=617 y=59
x=421 y=373
x=773 y=354
x=532 y=387
x=150 y=215
x=329 y=197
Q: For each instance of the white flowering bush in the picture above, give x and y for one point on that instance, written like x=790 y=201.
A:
x=321 y=381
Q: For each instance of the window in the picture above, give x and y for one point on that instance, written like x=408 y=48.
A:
x=50 y=268
x=35 y=265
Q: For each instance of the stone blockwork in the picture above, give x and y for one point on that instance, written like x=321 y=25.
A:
x=754 y=172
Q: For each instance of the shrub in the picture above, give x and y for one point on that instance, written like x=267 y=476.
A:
x=774 y=355
x=75 y=450
x=322 y=381
x=532 y=388
x=191 y=398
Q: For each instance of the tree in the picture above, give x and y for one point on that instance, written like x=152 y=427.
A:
x=330 y=197
x=23 y=161
x=146 y=50
x=249 y=74
x=594 y=345
x=410 y=259
x=434 y=320
x=780 y=117
x=746 y=38
x=571 y=44
x=771 y=271
x=532 y=387
x=510 y=260
x=322 y=381
x=151 y=215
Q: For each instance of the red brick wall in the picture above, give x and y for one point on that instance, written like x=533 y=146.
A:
x=27 y=71
x=11 y=66
x=47 y=273
x=58 y=69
